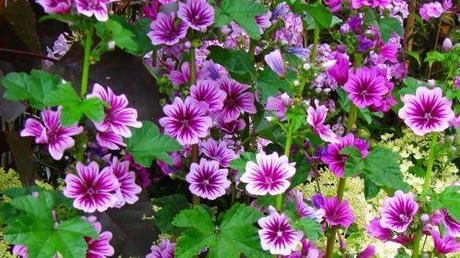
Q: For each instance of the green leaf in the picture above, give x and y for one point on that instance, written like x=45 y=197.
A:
x=450 y=199
x=242 y=12
x=297 y=116
x=370 y=18
x=40 y=206
x=321 y=15
x=370 y=189
x=310 y=227
x=237 y=62
x=170 y=206
x=240 y=163
x=387 y=26
x=148 y=143
x=355 y=163
x=269 y=84
x=415 y=55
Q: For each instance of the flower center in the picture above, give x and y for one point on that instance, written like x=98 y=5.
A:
x=206 y=182
x=404 y=218
x=279 y=233
x=427 y=116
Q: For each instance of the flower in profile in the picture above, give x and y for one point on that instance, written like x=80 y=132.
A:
x=100 y=247
x=309 y=250
x=279 y=105
x=91 y=189
x=208 y=93
x=442 y=218
x=316 y=118
x=51 y=132
x=109 y=140
x=118 y=118
x=56 y=6
x=426 y=111
x=263 y=21
x=197 y=14
x=334 y=5
x=398 y=211
x=231 y=127
x=444 y=244
x=207 y=180
x=184 y=121
x=276 y=63
x=368 y=252
x=98 y=8
x=340 y=70
x=238 y=100
x=365 y=87
x=305 y=210
x=335 y=160
x=376 y=230
x=277 y=235
x=20 y=251
x=335 y=212
x=270 y=174
x=218 y=151
x=431 y=10
x=165 y=249
x=127 y=190
x=164 y=30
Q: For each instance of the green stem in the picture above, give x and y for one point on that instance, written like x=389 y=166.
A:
x=315 y=46
x=287 y=148
x=195 y=157
x=86 y=62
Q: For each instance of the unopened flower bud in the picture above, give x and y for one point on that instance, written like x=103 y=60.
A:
x=447 y=44
x=425 y=218
x=306 y=66
x=111 y=44
x=296 y=82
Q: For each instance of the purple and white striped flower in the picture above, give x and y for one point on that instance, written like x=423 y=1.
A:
x=398 y=211
x=118 y=118
x=426 y=111
x=365 y=87
x=316 y=118
x=277 y=235
x=275 y=60
x=279 y=105
x=98 y=8
x=340 y=70
x=197 y=14
x=165 y=30
x=110 y=140
x=238 y=100
x=335 y=212
x=207 y=180
x=376 y=230
x=127 y=190
x=452 y=226
x=56 y=6
x=100 y=247
x=218 y=151
x=263 y=21
x=270 y=174
x=444 y=244
x=305 y=210
x=51 y=132
x=208 y=94
x=185 y=121
x=165 y=249
x=91 y=190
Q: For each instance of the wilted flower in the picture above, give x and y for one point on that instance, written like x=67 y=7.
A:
x=197 y=14
x=398 y=211
x=164 y=30
x=270 y=174
x=426 y=111
x=165 y=249
x=276 y=63
x=207 y=180
x=218 y=151
x=98 y=8
x=365 y=87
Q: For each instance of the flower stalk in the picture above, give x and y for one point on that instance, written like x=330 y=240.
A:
x=287 y=148
x=195 y=199
x=86 y=61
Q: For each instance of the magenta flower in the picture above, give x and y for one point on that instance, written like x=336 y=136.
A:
x=118 y=118
x=316 y=118
x=218 y=151
x=20 y=251
x=356 y=4
x=376 y=230
x=207 y=180
x=340 y=70
x=305 y=210
x=277 y=235
x=309 y=250
x=166 y=31
x=270 y=174
x=335 y=160
x=98 y=8
x=91 y=189
x=56 y=6
x=263 y=21
x=238 y=100
x=109 y=140
x=52 y=133
x=279 y=105
x=100 y=247
x=276 y=63
x=365 y=87
x=197 y=14
x=442 y=218
x=335 y=212
x=185 y=121
x=427 y=111
x=398 y=211
x=368 y=252
x=231 y=127
x=444 y=245
x=431 y=10
x=208 y=93
x=389 y=51
x=127 y=190
x=165 y=249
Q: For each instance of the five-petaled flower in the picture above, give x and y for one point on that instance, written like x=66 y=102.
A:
x=207 y=180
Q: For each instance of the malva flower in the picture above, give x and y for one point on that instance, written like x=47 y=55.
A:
x=308 y=250
x=275 y=62
x=444 y=244
x=51 y=132
x=218 y=151
x=91 y=190
x=426 y=111
x=398 y=211
x=208 y=93
x=56 y=6
x=98 y=8
x=340 y=70
x=376 y=230
x=365 y=87
x=442 y=218
x=238 y=100
x=20 y=251
x=165 y=249
x=334 y=5
x=263 y=21
x=207 y=180
x=127 y=190
x=431 y=10
x=185 y=121
x=335 y=160
x=368 y=252
x=277 y=235
x=197 y=14
x=303 y=209
x=118 y=118
x=110 y=140
x=335 y=212
x=100 y=247
x=165 y=30
x=279 y=105
x=316 y=118
x=231 y=127
x=270 y=174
